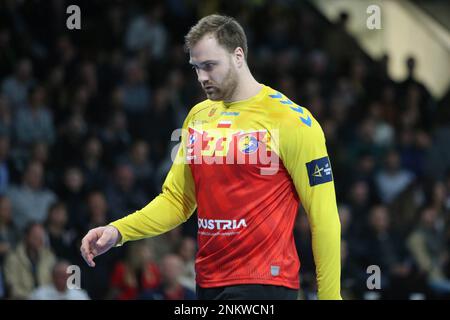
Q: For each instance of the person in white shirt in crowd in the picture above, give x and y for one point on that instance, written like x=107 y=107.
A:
x=59 y=289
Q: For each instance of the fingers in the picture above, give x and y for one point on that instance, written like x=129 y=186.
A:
x=88 y=252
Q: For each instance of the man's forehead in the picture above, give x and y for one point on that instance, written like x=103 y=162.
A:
x=207 y=48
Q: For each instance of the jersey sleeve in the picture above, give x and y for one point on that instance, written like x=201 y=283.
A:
x=304 y=154
x=173 y=206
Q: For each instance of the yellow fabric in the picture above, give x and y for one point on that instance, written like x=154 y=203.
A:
x=300 y=144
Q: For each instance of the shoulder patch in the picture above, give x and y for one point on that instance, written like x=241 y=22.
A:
x=319 y=171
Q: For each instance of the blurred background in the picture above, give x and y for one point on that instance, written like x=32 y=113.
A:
x=86 y=118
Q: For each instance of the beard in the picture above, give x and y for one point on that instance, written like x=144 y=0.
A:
x=225 y=90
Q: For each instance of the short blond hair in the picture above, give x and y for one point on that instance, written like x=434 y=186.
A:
x=227 y=31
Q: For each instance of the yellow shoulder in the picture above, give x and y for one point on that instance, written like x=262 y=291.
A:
x=201 y=106
x=287 y=112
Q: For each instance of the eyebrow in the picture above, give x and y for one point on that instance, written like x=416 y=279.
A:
x=202 y=63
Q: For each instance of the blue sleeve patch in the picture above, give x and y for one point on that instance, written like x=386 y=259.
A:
x=319 y=171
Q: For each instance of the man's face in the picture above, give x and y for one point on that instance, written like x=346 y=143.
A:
x=36 y=238
x=215 y=68
x=34 y=176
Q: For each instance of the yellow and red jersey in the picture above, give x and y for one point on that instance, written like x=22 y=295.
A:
x=246 y=166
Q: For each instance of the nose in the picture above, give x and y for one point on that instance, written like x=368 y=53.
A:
x=202 y=75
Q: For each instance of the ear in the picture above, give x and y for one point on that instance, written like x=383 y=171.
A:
x=239 y=57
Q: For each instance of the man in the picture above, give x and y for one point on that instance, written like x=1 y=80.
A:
x=171 y=287
x=58 y=289
x=30 y=264
x=31 y=200
x=247 y=157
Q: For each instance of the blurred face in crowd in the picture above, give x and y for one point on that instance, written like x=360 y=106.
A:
x=187 y=249
x=139 y=254
x=35 y=239
x=140 y=152
x=5 y=210
x=135 y=73
x=38 y=97
x=73 y=179
x=58 y=216
x=215 y=67
x=40 y=152
x=124 y=177
x=97 y=207
x=392 y=161
x=439 y=193
x=345 y=217
x=60 y=276
x=24 y=70
x=93 y=148
x=429 y=216
x=360 y=193
x=366 y=164
x=5 y=110
x=4 y=147
x=161 y=99
x=379 y=219
x=33 y=176
x=171 y=268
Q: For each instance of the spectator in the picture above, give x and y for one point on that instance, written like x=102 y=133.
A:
x=72 y=192
x=8 y=233
x=167 y=243
x=61 y=239
x=68 y=149
x=148 y=33
x=97 y=210
x=8 y=239
x=31 y=200
x=58 y=289
x=30 y=265
x=170 y=288
x=136 y=274
x=393 y=179
x=138 y=160
x=92 y=164
x=384 y=248
x=359 y=202
x=123 y=194
x=6 y=166
x=428 y=247
x=162 y=119
x=97 y=280
x=16 y=86
x=115 y=136
x=136 y=94
x=35 y=122
x=6 y=121
x=187 y=251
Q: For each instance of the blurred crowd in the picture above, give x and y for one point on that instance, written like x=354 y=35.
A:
x=86 y=118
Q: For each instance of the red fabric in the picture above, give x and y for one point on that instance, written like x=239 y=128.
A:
x=245 y=219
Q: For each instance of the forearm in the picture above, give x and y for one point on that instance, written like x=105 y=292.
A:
x=159 y=216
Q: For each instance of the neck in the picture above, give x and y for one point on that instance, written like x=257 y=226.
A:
x=32 y=254
x=247 y=87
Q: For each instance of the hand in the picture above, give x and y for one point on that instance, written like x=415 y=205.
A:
x=97 y=241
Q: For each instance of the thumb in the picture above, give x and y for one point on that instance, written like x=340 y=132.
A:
x=103 y=239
